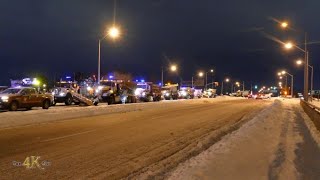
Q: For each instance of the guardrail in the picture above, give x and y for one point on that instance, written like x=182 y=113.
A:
x=312 y=111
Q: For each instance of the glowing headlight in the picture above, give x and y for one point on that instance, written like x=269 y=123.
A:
x=5 y=98
x=61 y=94
x=136 y=92
x=89 y=88
x=167 y=94
x=183 y=93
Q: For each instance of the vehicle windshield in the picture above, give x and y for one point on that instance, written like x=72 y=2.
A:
x=142 y=86
x=108 y=83
x=10 y=91
x=65 y=85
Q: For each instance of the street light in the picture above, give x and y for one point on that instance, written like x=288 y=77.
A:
x=173 y=68
x=306 y=64
x=284 y=72
x=114 y=33
x=299 y=62
x=288 y=45
x=226 y=80
x=200 y=74
x=211 y=71
x=284 y=24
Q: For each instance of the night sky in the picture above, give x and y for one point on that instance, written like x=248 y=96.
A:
x=61 y=37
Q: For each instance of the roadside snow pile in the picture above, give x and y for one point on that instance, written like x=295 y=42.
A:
x=264 y=148
x=38 y=115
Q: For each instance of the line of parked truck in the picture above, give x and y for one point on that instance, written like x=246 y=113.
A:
x=91 y=93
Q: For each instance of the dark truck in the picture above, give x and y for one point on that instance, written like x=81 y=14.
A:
x=25 y=97
x=170 y=92
x=148 y=92
x=116 y=91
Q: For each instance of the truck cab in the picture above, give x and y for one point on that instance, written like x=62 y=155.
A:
x=170 y=92
x=63 y=92
x=148 y=92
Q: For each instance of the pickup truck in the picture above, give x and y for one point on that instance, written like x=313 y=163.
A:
x=25 y=97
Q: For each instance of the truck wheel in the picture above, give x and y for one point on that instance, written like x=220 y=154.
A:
x=46 y=104
x=111 y=100
x=149 y=98
x=68 y=100
x=129 y=99
x=14 y=106
x=77 y=103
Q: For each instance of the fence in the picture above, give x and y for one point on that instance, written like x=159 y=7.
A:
x=312 y=111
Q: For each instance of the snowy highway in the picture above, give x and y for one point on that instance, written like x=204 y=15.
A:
x=194 y=139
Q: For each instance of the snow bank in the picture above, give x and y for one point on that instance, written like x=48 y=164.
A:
x=263 y=148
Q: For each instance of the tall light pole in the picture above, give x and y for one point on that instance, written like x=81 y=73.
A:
x=173 y=68
x=283 y=73
x=211 y=71
x=200 y=74
x=226 y=80
x=289 y=45
x=114 y=33
x=299 y=62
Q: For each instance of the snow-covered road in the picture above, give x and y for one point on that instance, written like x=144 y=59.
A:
x=279 y=143
x=223 y=138
x=146 y=143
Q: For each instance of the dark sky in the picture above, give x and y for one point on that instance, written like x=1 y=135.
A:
x=60 y=36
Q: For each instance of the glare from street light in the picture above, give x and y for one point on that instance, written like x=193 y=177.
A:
x=279 y=74
x=283 y=72
x=200 y=74
x=284 y=24
x=211 y=70
x=299 y=62
x=288 y=45
x=173 y=68
x=114 y=32
x=227 y=80
x=280 y=77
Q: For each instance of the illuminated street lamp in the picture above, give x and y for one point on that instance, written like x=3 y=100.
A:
x=283 y=73
x=200 y=74
x=306 y=64
x=288 y=45
x=211 y=71
x=226 y=80
x=173 y=68
x=284 y=25
x=113 y=33
x=300 y=62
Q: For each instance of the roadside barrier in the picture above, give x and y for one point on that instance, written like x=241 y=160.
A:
x=312 y=111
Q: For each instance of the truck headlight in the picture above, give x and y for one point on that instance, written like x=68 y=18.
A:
x=5 y=98
x=136 y=92
x=183 y=93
